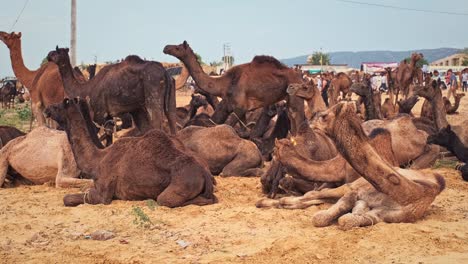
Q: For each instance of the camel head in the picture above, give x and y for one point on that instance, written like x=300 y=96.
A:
x=416 y=56
x=408 y=104
x=459 y=95
x=198 y=100
x=339 y=120
x=180 y=51
x=302 y=90
x=442 y=137
x=361 y=89
x=428 y=91
x=10 y=39
x=59 y=56
x=62 y=111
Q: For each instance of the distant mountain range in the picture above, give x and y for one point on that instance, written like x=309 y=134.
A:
x=354 y=59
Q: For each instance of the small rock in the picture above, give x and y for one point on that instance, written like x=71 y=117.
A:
x=102 y=235
x=38 y=239
x=183 y=243
x=27 y=227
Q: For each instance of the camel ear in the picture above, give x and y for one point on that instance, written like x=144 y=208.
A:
x=185 y=44
x=18 y=34
x=56 y=48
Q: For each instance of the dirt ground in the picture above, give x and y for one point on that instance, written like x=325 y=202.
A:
x=35 y=227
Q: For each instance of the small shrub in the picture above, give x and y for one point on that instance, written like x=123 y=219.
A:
x=151 y=204
x=24 y=113
x=141 y=219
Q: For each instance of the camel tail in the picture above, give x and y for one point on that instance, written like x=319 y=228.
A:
x=170 y=102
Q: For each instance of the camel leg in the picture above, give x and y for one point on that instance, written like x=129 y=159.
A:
x=175 y=196
x=245 y=162
x=296 y=113
x=312 y=197
x=142 y=120
x=222 y=112
x=427 y=159
x=344 y=205
x=102 y=193
x=170 y=112
x=258 y=130
x=348 y=221
x=37 y=110
x=297 y=186
x=267 y=178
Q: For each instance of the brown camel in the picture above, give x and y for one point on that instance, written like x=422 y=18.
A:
x=452 y=109
x=389 y=110
x=246 y=87
x=131 y=86
x=370 y=98
x=426 y=110
x=182 y=78
x=7 y=95
x=340 y=83
x=225 y=152
x=153 y=166
x=310 y=94
x=383 y=194
x=44 y=84
x=406 y=74
x=43 y=155
x=8 y=133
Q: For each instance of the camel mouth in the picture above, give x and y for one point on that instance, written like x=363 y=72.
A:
x=167 y=49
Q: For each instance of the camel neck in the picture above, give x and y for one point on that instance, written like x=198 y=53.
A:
x=438 y=111
x=356 y=149
x=24 y=75
x=214 y=86
x=73 y=88
x=87 y=155
x=457 y=148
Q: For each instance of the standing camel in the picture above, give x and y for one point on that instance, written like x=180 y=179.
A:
x=131 y=86
x=340 y=83
x=406 y=74
x=246 y=87
x=44 y=84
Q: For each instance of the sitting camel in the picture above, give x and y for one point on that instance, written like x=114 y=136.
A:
x=225 y=152
x=43 y=155
x=448 y=139
x=153 y=166
x=383 y=194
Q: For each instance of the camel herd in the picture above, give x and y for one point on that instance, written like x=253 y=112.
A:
x=370 y=160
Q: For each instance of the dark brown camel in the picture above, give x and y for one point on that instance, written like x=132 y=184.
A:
x=225 y=152
x=371 y=99
x=8 y=133
x=131 y=86
x=153 y=166
x=91 y=71
x=383 y=194
x=7 y=95
x=245 y=87
x=406 y=74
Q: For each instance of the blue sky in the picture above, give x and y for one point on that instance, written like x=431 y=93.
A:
x=113 y=29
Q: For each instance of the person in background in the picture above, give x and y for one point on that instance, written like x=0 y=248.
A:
x=465 y=80
x=383 y=80
x=453 y=84
x=324 y=90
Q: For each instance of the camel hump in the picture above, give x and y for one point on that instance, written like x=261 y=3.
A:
x=262 y=59
x=133 y=59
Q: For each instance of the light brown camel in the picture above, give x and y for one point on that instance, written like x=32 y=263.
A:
x=225 y=152
x=154 y=166
x=389 y=110
x=43 y=155
x=406 y=74
x=245 y=87
x=341 y=82
x=44 y=84
x=383 y=194
x=310 y=94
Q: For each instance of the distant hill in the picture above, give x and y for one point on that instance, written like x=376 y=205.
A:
x=354 y=59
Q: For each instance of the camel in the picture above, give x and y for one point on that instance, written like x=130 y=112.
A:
x=340 y=83
x=44 y=84
x=225 y=152
x=131 y=86
x=448 y=139
x=182 y=79
x=389 y=110
x=452 y=109
x=153 y=166
x=198 y=105
x=383 y=194
x=310 y=94
x=43 y=155
x=405 y=74
x=91 y=71
x=7 y=133
x=371 y=99
x=245 y=87
x=7 y=95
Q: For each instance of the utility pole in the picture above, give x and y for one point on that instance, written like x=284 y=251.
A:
x=73 y=34
x=227 y=58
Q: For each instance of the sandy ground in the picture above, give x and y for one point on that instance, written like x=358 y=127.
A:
x=35 y=227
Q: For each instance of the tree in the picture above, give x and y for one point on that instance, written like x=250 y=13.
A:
x=319 y=58
x=420 y=63
x=199 y=59
x=44 y=61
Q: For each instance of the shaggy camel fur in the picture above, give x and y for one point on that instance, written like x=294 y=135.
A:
x=225 y=152
x=8 y=133
x=246 y=87
x=448 y=139
x=131 y=86
x=44 y=84
x=43 y=155
x=153 y=166
x=383 y=194
x=405 y=74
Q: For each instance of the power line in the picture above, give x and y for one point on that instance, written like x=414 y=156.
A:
x=405 y=8
x=19 y=15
